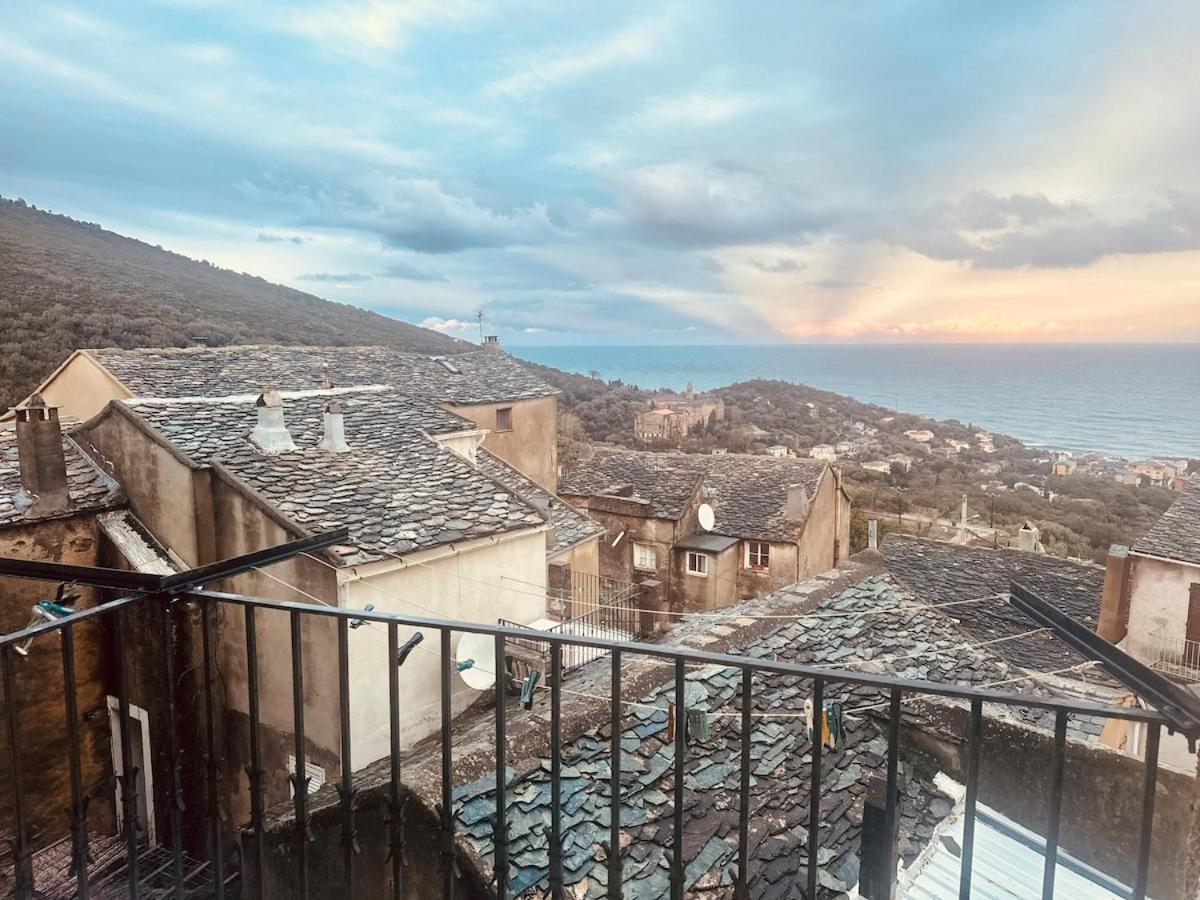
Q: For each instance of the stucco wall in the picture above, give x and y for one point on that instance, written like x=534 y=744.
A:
x=82 y=388
x=1158 y=595
x=828 y=521
x=481 y=584
x=780 y=571
x=698 y=593
x=583 y=558
x=531 y=446
x=38 y=680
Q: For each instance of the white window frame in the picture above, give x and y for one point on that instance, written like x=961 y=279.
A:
x=763 y=553
x=694 y=556
x=645 y=550
x=114 y=725
x=315 y=773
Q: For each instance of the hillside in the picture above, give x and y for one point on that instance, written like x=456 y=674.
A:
x=66 y=284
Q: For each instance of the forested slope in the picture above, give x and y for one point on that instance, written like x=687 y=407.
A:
x=66 y=284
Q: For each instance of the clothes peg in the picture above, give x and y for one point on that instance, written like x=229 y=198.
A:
x=464 y=665
x=406 y=648
x=358 y=623
x=527 y=687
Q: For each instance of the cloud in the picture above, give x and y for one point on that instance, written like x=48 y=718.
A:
x=695 y=108
x=267 y=238
x=554 y=67
x=334 y=277
x=374 y=25
x=973 y=326
x=449 y=326
x=687 y=204
x=1030 y=231
x=419 y=214
x=409 y=273
x=532 y=330
x=836 y=284
x=776 y=266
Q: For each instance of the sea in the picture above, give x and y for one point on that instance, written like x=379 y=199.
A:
x=1121 y=400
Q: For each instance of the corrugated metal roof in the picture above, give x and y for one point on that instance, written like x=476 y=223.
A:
x=1008 y=863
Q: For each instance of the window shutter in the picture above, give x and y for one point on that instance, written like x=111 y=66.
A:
x=1193 y=619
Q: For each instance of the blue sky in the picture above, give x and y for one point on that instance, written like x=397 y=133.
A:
x=641 y=173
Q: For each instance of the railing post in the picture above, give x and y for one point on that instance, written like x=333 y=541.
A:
x=814 y=800
x=1149 y=785
x=615 y=887
x=300 y=775
x=447 y=772
x=346 y=792
x=501 y=831
x=78 y=810
x=254 y=771
x=556 y=870
x=1055 y=813
x=129 y=773
x=395 y=810
x=680 y=755
x=168 y=605
x=22 y=864
x=974 y=745
x=742 y=889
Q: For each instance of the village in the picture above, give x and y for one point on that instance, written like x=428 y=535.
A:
x=401 y=489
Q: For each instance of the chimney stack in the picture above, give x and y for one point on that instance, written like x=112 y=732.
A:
x=334 y=439
x=40 y=456
x=270 y=435
x=1114 y=601
x=1028 y=538
x=491 y=342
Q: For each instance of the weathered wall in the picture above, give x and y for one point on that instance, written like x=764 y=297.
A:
x=531 y=446
x=38 y=681
x=1158 y=595
x=1102 y=797
x=699 y=593
x=583 y=558
x=827 y=530
x=82 y=388
x=780 y=572
x=481 y=583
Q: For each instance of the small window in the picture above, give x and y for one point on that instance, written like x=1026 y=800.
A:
x=316 y=776
x=697 y=564
x=758 y=555
x=644 y=558
x=504 y=419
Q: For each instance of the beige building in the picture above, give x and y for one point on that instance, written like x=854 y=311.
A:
x=773 y=521
x=421 y=458
x=1151 y=604
x=672 y=416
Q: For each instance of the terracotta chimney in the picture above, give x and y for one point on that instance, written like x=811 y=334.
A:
x=334 y=439
x=40 y=455
x=1114 y=606
x=270 y=435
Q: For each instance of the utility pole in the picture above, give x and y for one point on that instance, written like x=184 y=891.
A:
x=479 y=316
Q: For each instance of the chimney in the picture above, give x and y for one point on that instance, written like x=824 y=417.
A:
x=40 y=456
x=796 y=509
x=1114 y=601
x=1028 y=539
x=270 y=435
x=334 y=439
x=491 y=342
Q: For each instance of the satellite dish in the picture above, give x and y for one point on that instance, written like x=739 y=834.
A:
x=706 y=517
x=479 y=650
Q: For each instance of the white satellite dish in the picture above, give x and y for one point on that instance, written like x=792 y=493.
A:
x=480 y=651
x=706 y=517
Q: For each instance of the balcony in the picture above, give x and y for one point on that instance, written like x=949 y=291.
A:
x=1174 y=655
x=451 y=816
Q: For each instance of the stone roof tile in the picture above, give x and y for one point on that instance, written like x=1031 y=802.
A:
x=1176 y=535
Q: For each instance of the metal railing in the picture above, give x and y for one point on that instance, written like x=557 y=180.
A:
x=205 y=604
x=1174 y=655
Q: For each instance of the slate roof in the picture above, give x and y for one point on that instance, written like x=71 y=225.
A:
x=939 y=572
x=568 y=525
x=397 y=489
x=481 y=376
x=88 y=487
x=780 y=759
x=748 y=493
x=1176 y=534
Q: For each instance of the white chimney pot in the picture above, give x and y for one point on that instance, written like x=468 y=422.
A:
x=270 y=434
x=334 y=439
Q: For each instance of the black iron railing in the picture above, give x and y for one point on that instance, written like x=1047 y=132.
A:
x=206 y=603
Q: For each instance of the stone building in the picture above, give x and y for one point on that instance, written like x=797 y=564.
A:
x=1151 y=605
x=670 y=417
x=442 y=519
x=774 y=521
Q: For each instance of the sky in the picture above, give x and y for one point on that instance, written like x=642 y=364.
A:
x=694 y=172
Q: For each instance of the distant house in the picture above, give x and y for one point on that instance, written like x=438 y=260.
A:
x=824 y=452
x=903 y=460
x=843 y=448
x=878 y=465
x=778 y=450
x=957 y=445
x=985 y=442
x=1064 y=467
x=751 y=432
x=991 y=469
x=1151 y=602
x=920 y=435
x=772 y=518
x=672 y=416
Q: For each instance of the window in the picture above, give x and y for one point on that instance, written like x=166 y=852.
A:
x=504 y=419
x=644 y=557
x=758 y=555
x=697 y=564
x=316 y=776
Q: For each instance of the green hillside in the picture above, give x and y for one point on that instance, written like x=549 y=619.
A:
x=66 y=284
